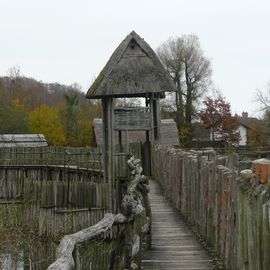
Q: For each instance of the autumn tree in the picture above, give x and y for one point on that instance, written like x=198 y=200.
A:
x=13 y=121
x=46 y=120
x=216 y=116
x=59 y=111
x=85 y=125
x=190 y=70
x=258 y=135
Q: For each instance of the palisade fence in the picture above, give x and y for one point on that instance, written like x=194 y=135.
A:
x=58 y=189
x=83 y=157
x=89 y=158
x=55 y=189
x=118 y=240
x=229 y=210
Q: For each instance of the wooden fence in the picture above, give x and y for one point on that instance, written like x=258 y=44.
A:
x=87 y=157
x=130 y=230
x=60 y=189
x=228 y=211
x=55 y=199
x=56 y=189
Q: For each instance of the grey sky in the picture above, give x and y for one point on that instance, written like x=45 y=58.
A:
x=70 y=41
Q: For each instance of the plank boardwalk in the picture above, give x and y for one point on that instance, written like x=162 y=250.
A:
x=174 y=246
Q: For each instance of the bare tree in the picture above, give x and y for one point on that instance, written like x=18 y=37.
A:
x=263 y=98
x=14 y=72
x=190 y=70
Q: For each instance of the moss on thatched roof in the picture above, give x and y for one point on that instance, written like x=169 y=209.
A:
x=133 y=70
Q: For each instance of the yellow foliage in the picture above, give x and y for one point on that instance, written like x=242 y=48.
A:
x=17 y=105
x=85 y=126
x=184 y=134
x=46 y=120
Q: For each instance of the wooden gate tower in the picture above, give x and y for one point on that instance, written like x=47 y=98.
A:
x=133 y=70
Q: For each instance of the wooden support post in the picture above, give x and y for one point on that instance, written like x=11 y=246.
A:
x=127 y=146
x=105 y=138
x=108 y=148
x=111 y=151
x=147 y=131
x=152 y=118
x=157 y=121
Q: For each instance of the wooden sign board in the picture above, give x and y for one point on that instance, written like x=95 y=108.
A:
x=132 y=118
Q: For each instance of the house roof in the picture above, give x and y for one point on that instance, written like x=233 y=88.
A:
x=168 y=133
x=200 y=132
x=133 y=70
x=254 y=123
x=22 y=140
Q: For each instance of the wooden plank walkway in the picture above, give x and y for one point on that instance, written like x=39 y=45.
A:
x=174 y=246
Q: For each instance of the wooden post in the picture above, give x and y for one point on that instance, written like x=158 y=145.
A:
x=147 y=131
x=108 y=148
x=157 y=121
x=152 y=118
x=105 y=138
x=111 y=151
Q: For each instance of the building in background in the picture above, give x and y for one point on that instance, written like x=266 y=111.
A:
x=168 y=133
x=253 y=131
x=22 y=140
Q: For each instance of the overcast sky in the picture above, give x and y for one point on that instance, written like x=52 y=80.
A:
x=69 y=41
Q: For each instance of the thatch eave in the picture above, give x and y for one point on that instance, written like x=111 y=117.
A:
x=138 y=95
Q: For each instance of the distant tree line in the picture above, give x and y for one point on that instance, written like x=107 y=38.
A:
x=60 y=112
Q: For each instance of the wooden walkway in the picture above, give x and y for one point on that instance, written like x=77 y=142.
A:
x=174 y=246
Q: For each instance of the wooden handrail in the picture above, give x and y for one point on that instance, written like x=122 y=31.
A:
x=132 y=207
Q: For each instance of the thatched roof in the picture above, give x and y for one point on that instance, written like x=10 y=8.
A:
x=22 y=140
x=168 y=133
x=132 y=71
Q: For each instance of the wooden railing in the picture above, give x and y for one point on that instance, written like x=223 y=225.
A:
x=228 y=210
x=135 y=226
x=87 y=157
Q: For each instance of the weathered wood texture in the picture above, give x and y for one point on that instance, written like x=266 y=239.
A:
x=135 y=218
x=121 y=158
x=168 y=133
x=22 y=140
x=87 y=157
x=174 y=246
x=132 y=70
x=230 y=213
x=56 y=199
x=254 y=224
x=137 y=118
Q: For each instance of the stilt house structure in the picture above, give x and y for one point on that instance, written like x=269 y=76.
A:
x=133 y=70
